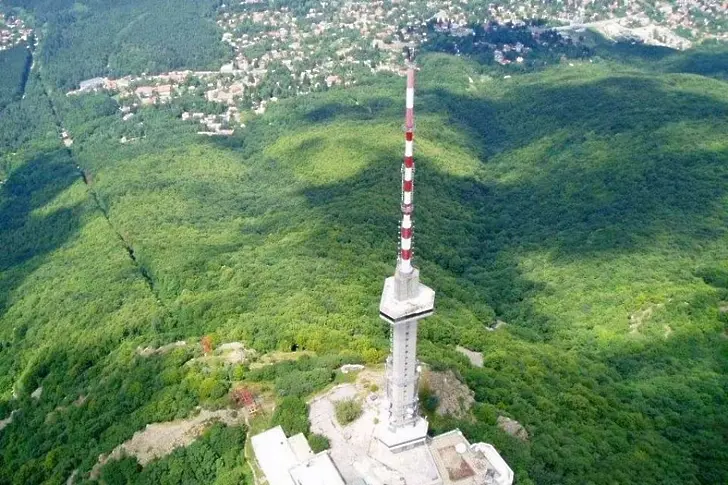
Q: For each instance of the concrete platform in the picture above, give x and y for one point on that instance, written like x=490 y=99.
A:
x=413 y=466
x=358 y=454
x=401 y=438
x=362 y=457
x=394 y=311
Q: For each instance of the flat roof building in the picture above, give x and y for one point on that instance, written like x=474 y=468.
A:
x=462 y=463
x=290 y=461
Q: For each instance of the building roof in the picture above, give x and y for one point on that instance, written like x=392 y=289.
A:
x=290 y=461
x=461 y=463
x=275 y=456
x=300 y=447
x=319 y=470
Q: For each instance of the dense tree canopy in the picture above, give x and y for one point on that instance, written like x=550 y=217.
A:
x=14 y=67
x=112 y=38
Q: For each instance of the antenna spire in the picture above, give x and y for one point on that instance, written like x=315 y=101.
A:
x=408 y=173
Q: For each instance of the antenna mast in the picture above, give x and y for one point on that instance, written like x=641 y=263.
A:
x=408 y=173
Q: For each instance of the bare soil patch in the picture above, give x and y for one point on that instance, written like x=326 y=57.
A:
x=72 y=479
x=149 y=351
x=454 y=398
x=160 y=439
x=512 y=427
x=275 y=357
x=5 y=422
x=475 y=358
x=227 y=353
x=639 y=318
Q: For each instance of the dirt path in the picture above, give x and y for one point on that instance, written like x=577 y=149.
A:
x=475 y=358
x=5 y=422
x=160 y=439
x=227 y=353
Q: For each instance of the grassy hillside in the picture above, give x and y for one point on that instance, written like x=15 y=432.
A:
x=585 y=206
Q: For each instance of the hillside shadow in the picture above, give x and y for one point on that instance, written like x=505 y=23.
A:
x=712 y=62
x=631 y=52
x=476 y=231
x=620 y=104
x=372 y=108
x=608 y=106
x=24 y=236
x=706 y=60
x=608 y=182
x=548 y=47
x=584 y=168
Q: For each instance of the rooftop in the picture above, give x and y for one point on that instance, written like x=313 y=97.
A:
x=290 y=461
x=461 y=463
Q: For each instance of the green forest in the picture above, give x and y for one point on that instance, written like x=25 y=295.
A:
x=14 y=67
x=83 y=40
x=585 y=205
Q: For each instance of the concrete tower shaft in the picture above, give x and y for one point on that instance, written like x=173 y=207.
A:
x=403 y=375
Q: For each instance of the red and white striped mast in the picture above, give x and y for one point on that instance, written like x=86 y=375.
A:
x=408 y=176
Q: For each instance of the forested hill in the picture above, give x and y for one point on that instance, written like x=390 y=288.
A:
x=14 y=69
x=584 y=205
x=83 y=40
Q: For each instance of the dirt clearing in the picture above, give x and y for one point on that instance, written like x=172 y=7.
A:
x=475 y=358
x=5 y=422
x=160 y=439
x=454 y=397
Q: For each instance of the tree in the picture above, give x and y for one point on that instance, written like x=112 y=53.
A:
x=348 y=411
x=207 y=346
x=291 y=414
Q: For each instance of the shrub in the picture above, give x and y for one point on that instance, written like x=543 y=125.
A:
x=347 y=411
x=318 y=443
x=428 y=399
x=292 y=414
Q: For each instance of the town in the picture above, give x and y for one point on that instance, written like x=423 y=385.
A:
x=13 y=31
x=282 y=52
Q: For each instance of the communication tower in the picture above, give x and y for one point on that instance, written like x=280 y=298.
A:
x=404 y=302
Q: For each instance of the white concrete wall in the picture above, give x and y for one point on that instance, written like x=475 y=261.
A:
x=402 y=374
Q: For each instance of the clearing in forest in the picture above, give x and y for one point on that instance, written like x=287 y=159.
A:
x=160 y=439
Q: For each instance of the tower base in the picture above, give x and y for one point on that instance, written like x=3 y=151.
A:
x=402 y=437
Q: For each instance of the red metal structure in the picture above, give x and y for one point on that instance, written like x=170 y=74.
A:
x=243 y=397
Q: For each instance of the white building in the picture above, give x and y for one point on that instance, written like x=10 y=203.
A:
x=290 y=461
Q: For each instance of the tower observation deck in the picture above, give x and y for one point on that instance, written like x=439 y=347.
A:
x=404 y=302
